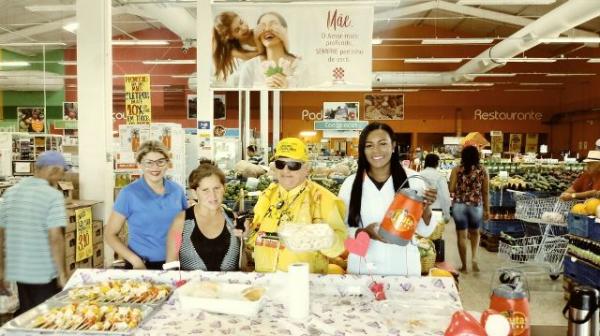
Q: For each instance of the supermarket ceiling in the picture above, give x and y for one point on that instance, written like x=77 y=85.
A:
x=447 y=37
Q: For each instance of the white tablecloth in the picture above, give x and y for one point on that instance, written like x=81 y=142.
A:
x=340 y=305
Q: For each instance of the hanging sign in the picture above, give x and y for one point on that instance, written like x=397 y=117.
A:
x=515 y=143
x=497 y=141
x=323 y=125
x=138 y=102
x=332 y=53
x=83 y=248
x=531 y=143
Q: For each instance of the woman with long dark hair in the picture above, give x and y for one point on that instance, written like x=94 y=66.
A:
x=232 y=39
x=469 y=184
x=368 y=194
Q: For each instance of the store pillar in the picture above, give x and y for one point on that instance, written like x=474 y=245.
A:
x=94 y=93
x=204 y=105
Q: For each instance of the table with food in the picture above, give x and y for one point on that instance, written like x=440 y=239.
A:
x=135 y=302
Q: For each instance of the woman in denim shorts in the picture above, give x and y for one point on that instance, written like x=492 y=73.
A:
x=469 y=184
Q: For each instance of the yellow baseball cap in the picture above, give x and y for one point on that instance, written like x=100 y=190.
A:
x=292 y=148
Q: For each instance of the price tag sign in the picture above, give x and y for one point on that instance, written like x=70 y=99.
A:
x=83 y=248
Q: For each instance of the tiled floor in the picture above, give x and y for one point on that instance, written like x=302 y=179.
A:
x=546 y=296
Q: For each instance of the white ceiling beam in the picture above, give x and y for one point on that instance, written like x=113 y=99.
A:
x=500 y=17
x=405 y=11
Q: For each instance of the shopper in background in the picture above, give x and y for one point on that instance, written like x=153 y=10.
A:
x=368 y=194
x=253 y=156
x=469 y=184
x=149 y=206
x=293 y=199
x=435 y=178
x=32 y=216
x=209 y=241
x=232 y=40
x=588 y=183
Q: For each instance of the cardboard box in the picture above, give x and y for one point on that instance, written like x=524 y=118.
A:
x=98 y=257
x=67 y=189
x=85 y=263
x=70 y=265
x=71 y=207
x=70 y=243
x=97 y=232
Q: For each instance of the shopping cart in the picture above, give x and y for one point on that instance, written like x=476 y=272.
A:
x=546 y=250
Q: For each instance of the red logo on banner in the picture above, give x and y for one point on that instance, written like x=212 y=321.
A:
x=338 y=73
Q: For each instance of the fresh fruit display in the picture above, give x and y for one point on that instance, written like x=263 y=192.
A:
x=89 y=316
x=329 y=184
x=232 y=190
x=122 y=291
x=591 y=205
x=514 y=183
x=538 y=180
x=579 y=209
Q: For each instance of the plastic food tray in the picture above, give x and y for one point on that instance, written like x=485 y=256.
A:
x=21 y=325
x=229 y=300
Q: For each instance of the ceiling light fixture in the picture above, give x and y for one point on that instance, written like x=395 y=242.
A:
x=568 y=74
x=32 y=44
x=570 y=40
x=492 y=74
x=505 y=2
x=14 y=64
x=71 y=27
x=460 y=90
x=457 y=41
x=527 y=60
x=308 y=133
x=540 y=84
x=473 y=84
x=139 y=42
x=171 y=62
x=523 y=90
x=433 y=60
x=594 y=60
x=399 y=90
x=376 y=41
x=50 y=8
x=67 y=62
x=182 y=76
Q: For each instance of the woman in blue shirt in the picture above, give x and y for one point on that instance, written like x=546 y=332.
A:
x=149 y=206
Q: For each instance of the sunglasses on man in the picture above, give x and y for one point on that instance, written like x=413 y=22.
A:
x=292 y=165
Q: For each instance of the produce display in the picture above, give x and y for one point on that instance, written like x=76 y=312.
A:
x=122 y=291
x=539 y=180
x=89 y=315
x=329 y=184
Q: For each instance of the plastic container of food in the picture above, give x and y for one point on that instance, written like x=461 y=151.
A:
x=306 y=237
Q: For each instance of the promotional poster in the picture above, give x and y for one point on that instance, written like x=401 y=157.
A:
x=322 y=47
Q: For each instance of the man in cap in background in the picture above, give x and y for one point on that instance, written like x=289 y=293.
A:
x=587 y=185
x=32 y=217
x=294 y=199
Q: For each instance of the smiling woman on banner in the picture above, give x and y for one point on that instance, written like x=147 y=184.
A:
x=149 y=206
x=275 y=67
x=368 y=194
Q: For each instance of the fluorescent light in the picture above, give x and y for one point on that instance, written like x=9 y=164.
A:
x=139 y=42
x=71 y=27
x=51 y=8
x=308 y=133
x=540 y=84
x=505 y=2
x=161 y=85
x=67 y=62
x=162 y=62
x=458 y=41
x=594 y=60
x=460 y=90
x=399 y=90
x=473 y=84
x=433 y=60
x=14 y=64
x=492 y=74
x=182 y=76
x=570 y=40
x=523 y=90
x=527 y=60
x=568 y=74
x=376 y=41
x=32 y=44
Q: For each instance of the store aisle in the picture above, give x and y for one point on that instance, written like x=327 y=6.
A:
x=546 y=301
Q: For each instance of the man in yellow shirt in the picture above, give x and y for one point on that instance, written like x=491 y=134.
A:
x=294 y=199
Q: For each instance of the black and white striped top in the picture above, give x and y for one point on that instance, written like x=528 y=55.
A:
x=201 y=253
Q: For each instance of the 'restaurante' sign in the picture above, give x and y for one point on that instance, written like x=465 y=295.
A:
x=479 y=114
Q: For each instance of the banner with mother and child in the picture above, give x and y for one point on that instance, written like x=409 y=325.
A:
x=299 y=47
